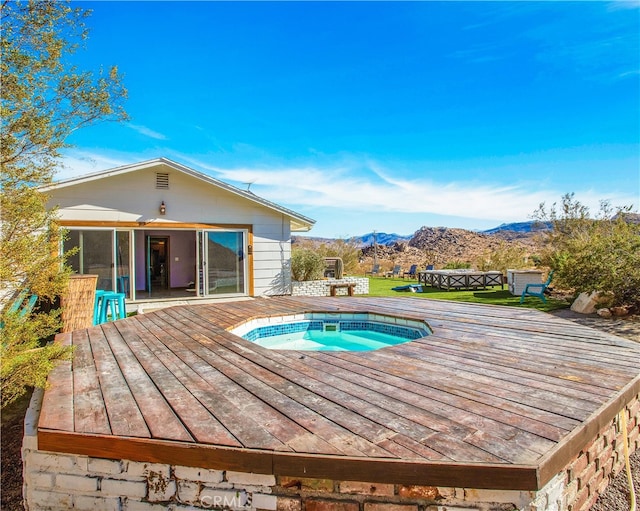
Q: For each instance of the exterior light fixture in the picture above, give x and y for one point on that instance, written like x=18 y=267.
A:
x=163 y=208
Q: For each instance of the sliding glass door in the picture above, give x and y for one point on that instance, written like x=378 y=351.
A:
x=222 y=262
x=94 y=255
x=105 y=253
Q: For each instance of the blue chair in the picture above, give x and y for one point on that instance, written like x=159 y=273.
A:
x=22 y=305
x=537 y=290
x=374 y=271
x=412 y=271
x=112 y=306
x=97 y=306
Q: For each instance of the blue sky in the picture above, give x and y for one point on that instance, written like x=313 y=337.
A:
x=381 y=116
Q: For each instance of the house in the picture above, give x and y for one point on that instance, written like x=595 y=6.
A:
x=161 y=230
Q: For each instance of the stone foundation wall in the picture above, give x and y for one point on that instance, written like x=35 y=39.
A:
x=321 y=287
x=59 y=482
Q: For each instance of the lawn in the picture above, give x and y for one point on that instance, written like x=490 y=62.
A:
x=380 y=286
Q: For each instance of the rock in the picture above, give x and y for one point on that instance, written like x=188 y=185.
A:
x=585 y=303
x=604 y=313
x=619 y=311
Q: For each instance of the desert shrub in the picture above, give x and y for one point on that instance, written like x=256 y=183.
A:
x=457 y=265
x=505 y=256
x=593 y=254
x=345 y=250
x=306 y=264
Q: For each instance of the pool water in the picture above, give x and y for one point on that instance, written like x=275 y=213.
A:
x=322 y=334
x=317 y=340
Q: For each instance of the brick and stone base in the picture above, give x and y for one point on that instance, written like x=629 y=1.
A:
x=56 y=482
x=322 y=287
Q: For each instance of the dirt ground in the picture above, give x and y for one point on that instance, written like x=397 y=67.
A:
x=616 y=498
x=11 y=468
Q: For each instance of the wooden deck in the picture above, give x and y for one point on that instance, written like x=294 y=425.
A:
x=496 y=398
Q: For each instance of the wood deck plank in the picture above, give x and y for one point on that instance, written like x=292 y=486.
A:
x=221 y=396
x=274 y=389
x=497 y=397
x=125 y=417
x=57 y=402
x=352 y=395
x=197 y=419
x=159 y=417
x=89 y=411
x=457 y=410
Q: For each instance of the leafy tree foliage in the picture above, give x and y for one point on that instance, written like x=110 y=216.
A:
x=593 y=254
x=43 y=98
x=504 y=257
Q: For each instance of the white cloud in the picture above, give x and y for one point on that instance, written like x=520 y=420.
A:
x=344 y=188
x=362 y=185
x=143 y=130
x=77 y=163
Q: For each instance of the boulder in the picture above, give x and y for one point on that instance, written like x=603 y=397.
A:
x=585 y=303
x=619 y=311
x=604 y=313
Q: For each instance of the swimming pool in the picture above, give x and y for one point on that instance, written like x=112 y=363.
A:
x=332 y=332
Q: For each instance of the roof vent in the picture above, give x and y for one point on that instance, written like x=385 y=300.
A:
x=162 y=180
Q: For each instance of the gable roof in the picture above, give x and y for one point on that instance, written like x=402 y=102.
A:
x=298 y=222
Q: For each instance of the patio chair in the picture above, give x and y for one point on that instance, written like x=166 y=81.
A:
x=395 y=272
x=374 y=271
x=412 y=272
x=22 y=305
x=537 y=290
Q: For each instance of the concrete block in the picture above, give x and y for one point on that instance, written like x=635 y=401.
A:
x=110 y=467
x=289 y=504
x=161 y=488
x=217 y=498
x=421 y=492
x=40 y=480
x=136 y=505
x=188 y=492
x=518 y=498
x=117 y=487
x=262 y=501
x=585 y=303
x=44 y=461
x=50 y=500
x=141 y=469
x=386 y=506
x=198 y=474
x=366 y=488
x=76 y=483
x=241 y=478
x=86 y=503
x=331 y=505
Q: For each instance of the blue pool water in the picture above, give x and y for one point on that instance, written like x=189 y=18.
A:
x=332 y=336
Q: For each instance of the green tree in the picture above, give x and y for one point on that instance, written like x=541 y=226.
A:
x=43 y=98
x=505 y=256
x=593 y=254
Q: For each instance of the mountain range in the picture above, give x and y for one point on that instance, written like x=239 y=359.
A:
x=516 y=228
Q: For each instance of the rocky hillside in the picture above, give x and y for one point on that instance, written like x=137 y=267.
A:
x=435 y=245
x=442 y=245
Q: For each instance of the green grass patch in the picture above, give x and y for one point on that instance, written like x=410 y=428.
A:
x=380 y=286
